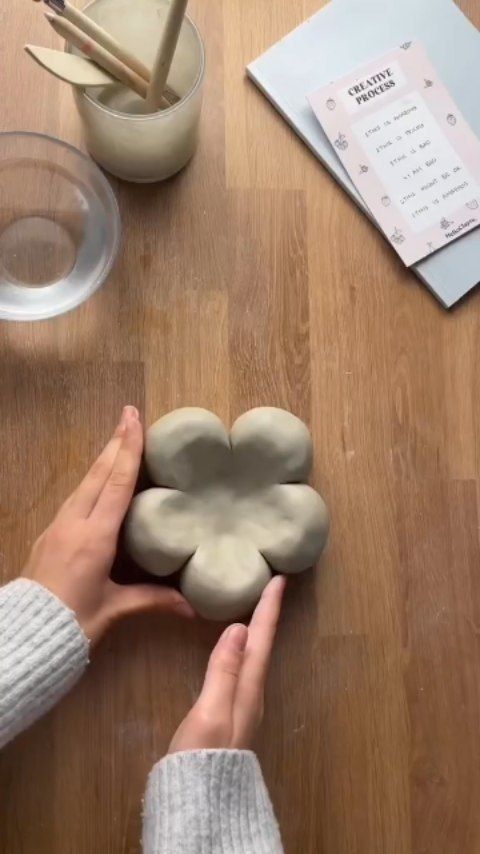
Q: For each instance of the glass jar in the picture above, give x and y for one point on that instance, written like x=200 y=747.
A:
x=120 y=135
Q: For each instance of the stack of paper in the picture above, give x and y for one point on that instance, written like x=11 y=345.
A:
x=347 y=34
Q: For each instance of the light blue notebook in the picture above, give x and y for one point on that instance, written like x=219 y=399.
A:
x=349 y=33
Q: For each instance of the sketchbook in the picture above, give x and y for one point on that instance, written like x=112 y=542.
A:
x=346 y=34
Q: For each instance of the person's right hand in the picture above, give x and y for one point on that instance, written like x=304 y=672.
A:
x=229 y=709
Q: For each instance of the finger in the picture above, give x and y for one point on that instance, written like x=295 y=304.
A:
x=261 y=636
x=83 y=500
x=223 y=672
x=137 y=598
x=117 y=492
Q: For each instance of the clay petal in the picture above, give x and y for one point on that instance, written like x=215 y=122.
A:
x=271 y=446
x=225 y=578
x=161 y=531
x=290 y=527
x=187 y=448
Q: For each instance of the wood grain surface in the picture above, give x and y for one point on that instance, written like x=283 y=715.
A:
x=234 y=289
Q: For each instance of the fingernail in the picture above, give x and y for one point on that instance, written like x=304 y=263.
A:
x=129 y=413
x=236 y=636
x=185 y=610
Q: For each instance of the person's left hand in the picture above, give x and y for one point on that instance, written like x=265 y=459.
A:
x=74 y=556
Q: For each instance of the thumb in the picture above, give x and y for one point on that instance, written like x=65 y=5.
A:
x=223 y=672
x=136 y=598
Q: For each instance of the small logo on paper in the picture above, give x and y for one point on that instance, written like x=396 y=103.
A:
x=331 y=104
x=397 y=237
x=463 y=225
x=341 y=142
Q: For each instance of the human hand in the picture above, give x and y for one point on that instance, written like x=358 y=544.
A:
x=74 y=556
x=229 y=709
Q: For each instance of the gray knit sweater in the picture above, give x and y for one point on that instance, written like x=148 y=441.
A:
x=200 y=802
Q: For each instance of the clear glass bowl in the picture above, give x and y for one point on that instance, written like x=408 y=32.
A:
x=59 y=227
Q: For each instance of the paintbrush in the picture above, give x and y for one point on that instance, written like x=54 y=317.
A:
x=99 y=35
x=94 y=51
x=110 y=55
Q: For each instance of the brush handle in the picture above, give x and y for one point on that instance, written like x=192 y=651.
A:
x=165 y=53
x=74 y=36
x=105 y=40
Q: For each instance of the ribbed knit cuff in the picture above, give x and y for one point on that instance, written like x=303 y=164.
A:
x=43 y=651
x=209 y=802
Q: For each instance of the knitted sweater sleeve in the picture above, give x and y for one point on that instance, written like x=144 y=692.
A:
x=202 y=802
x=209 y=802
x=43 y=651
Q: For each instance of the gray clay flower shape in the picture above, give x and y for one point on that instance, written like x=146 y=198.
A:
x=229 y=507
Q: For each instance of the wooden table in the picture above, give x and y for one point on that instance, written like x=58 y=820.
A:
x=232 y=290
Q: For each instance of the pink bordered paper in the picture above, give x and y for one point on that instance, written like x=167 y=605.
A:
x=407 y=148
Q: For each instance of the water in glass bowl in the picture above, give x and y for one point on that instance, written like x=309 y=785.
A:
x=59 y=227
